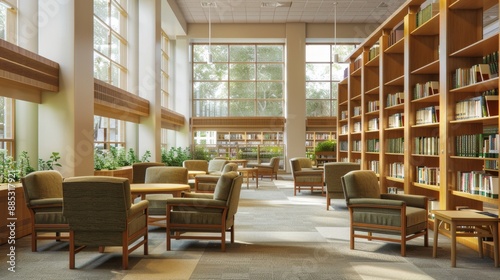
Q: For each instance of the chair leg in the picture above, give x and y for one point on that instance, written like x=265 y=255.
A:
x=33 y=240
x=223 y=241
x=168 y=239
x=327 y=202
x=125 y=250
x=71 y=250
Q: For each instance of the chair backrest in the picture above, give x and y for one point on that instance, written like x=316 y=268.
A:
x=196 y=164
x=139 y=170
x=230 y=167
x=42 y=184
x=167 y=174
x=216 y=165
x=334 y=172
x=275 y=163
x=360 y=184
x=298 y=163
x=96 y=203
x=228 y=189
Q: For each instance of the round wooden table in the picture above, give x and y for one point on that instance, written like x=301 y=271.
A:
x=154 y=188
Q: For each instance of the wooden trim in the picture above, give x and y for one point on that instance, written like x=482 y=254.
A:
x=113 y=102
x=263 y=123
x=324 y=122
x=23 y=68
x=171 y=119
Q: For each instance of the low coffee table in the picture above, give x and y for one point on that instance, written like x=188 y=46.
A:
x=155 y=188
x=250 y=171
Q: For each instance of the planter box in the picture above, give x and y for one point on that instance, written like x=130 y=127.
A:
x=23 y=222
x=125 y=172
x=327 y=156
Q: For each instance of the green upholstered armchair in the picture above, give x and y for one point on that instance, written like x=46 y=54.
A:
x=390 y=214
x=158 y=202
x=304 y=175
x=139 y=171
x=100 y=213
x=202 y=212
x=44 y=198
x=269 y=169
x=196 y=164
x=215 y=166
x=333 y=173
x=207 y=183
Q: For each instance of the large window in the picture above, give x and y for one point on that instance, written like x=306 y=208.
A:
x=110 y=63
x=322 y=77
x=240 y=80
x=6 y=104
x=165 y=56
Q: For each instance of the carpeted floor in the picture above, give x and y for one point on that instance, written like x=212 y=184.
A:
x=278 y=236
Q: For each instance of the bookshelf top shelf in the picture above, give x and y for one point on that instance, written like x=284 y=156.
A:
x=479 y=48
x=478 y=87
x=468 y=4
x=397 y=47
x=430 y=27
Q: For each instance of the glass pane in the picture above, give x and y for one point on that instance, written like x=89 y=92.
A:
x=3 y=20
x=210 y=108
x=219 y=53
x=335 y=90
x=240 y=108
x=115 y=75
x=267 y=72
x=269 y=108
x=242 y=90
x=338 y=71
x=6 y=118
x=101 y=43
x=245 y=72
x=210 y=72
x=334 y=108
x=270 y=90
x=199 y=53
x=101 y=9
x=115 y=19
x=343 y=51
x=242 y=53
x=318 y=90
x=270 y=53
x=115 y=49
x=318 y=108
x=210 y=90
x=317 y=53
x=101 y=68
x=317 y=72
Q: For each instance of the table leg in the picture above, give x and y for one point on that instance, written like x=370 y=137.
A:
x=453 y=231
x=257 y=178
x=495 y=242
x=436 y=229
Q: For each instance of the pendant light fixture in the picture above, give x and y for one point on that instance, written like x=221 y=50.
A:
x=335 y=54
x=209 y=5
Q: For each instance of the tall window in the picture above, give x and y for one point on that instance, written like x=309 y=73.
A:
x=6 y=104
x=242 y=80
x=110 y=63
x=322 y=77
x=165 y=56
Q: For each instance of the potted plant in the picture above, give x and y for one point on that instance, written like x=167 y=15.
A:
x=325 y=151
x=117 y=162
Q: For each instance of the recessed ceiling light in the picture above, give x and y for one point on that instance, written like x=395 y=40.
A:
x=209 y=4
x=275 y=4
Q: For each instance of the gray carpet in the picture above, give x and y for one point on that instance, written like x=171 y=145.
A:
x=278 y=236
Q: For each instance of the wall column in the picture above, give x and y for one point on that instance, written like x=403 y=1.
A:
x=295 y=113
x=66 y=118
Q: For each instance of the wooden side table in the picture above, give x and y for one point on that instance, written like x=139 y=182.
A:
x=248 y=172
x=465 y=224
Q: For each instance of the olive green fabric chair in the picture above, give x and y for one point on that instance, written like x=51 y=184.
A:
x=305 y=176
x=44 y=199
x=158 y=202
x=207 y=183
x=333 y=174
x=383 y=214
x=269 y=169
x=215 y=166
x=196 y=164
x=202 y=212
x=100 y=213
x=139 y=170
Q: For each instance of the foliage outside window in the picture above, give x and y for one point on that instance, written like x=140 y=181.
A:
x=322 y=77
x=108 y=133
x=242 y=80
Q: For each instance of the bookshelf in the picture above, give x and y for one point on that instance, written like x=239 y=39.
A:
x=435 y=77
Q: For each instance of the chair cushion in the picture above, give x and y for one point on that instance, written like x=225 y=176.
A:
x=216 y=165
x=158 y=203
x=50 y=218
x=389 y=217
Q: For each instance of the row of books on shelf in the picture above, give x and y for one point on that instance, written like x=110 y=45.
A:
x=427 y=175
x=477 y=107
x=491 y=164
x=373 y=124
x=319 y=136
x=426 y=145
x=356 y=111
x=468 y=76
x=343 y=115
x=373 y=106
x=427 y=12
x=478 y=183
x=250 y=136
x=356 y=127
x=374 y=51
x=396 y=34
x=357 y=63
x=397 y=170
x=357 y=145
x=427 y=115
x=421 y=90
x=396 y=120
x=374 y=165
x=343 y=145
x=492 y=60
x=477 y=145
x=344 y=129
x=373 y=145
x=395 y=145
x=394 y=99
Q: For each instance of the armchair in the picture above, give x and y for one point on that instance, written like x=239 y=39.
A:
x=44 y=199
x=213 y=213
x=100 y=213
x=207 y=183
x=157 y=202
x=215 y=166
x=269 y=169
x=139 y=170
x=333 y=173
x=390 y=214
x=306 y=176
x=196 y=164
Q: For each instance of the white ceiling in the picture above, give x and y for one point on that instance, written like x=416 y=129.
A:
x=310 y=11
